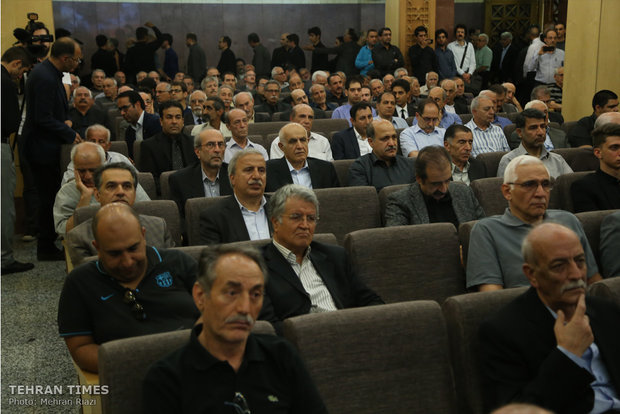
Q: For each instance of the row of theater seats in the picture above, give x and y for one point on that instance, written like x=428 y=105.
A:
x=414 y=356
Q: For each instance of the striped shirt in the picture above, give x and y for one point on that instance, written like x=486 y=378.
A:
x=491 y=139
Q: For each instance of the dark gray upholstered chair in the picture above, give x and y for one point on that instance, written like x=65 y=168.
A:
x=464 y=233
x=408 y=262
x=488 y=191
x=491 y=161
x=268 y=140
x=560 y=197
x=579 y=159
x=591 y=223
x=166 y=209
x=193 y=208
x=607 y=289
x=567 y=126
x=465 y=118
x=276 y=116
x=147 y=182
x=342 y=169
x=463 y=315
x=265 y=128
x=137 y=147
x=187 y=129
x=378 y=359
x=328 y=124
x=346 y=209
x=508 y=130
x=123 y=364
x=383 y=196
x=165 y=184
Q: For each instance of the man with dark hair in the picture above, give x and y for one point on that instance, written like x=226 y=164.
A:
x=434 y=197
x=600 y=190
x=296 y=57
x=103 y=58
x=446 y=68
x=401 y=90
x=352 y=142
x=458 y=140
x=334 y=83
x=385 y=56
x=227 y=58
x=178 y=93
x=214 y=108
x=279 y=56
x=364 y=61
x=346 y=52
x=141 y=56
x=532 y=129
x=261 y=60
x=602 y=102
x=171 y=60
x=272 y=103
x=426 y=131
x=44 y=133
x=353 y=92
x=464 y=54
x=142 y=125
x=196 y=60
x=319 y=61
x=421 y=56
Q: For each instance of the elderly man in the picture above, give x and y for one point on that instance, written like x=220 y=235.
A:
x=296 y=167
x=243 y=215
x=162 y=92
x=352 y=143
x=197 y=102
x=425 y=132
x=210 y=85
x=214 y=108
x=108 y=96
x=279 y=75
x=229 y=294
x=386 y=105
x=237 y=123
x=500 y=121
x=319 y=99
x=133 y=289
x=318 y=145
x=115 y=183
x=272 y=103
x=383 y=166
x=555 y=89
x=433 y=198
x=86 y=157
x=226 y=93
x=541 y=93
x=484 y=58
x=305 y=276
x=96 y=78
x=446 y=119
x=142 y=125
x=494 y=258
x=432 y=79
x=245 y=101
x=505 y=55
x=547 y=59
x=487 y=137
x=451 y=105
x=376 y=88
x=600 y=190
x=458 y=140
x=603 y=101
x=207 y=178
x=84 y=112
x=532 y=129
x=551 y=346
x=511 y=98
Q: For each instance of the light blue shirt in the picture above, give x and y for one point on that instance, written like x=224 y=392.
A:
x=447 y=119
x=491 y=139
x=545 y=65
x=232 y=148
x=256 y=221
x=361 y=61
x=344 y=112
x=212 y=188
x=397 y=121
x=414 y=139
x=301 y=177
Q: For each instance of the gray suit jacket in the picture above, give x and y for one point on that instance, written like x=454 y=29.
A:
x=79 y=239
x=407 y=205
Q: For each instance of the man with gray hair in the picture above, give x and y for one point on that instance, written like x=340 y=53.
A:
x=237 y=123
x=541 y=93
x=487 y=137
x=319 y=77
x=108 y=96
x=84 y=112
x=494 y=258
x=306 y=276
x=319 y=98
x=197 y=102
x=245 y=101
x=210 y=85
x=243 y=215
x=505 y=54
x=272 y=99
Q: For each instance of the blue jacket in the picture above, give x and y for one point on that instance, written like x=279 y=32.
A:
x=361 y=61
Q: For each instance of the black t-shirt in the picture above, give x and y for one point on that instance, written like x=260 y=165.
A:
x=441 y=211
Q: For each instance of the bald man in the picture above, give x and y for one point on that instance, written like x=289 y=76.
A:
x=133 y=289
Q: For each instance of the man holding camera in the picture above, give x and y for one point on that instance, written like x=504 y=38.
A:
x=547 y=60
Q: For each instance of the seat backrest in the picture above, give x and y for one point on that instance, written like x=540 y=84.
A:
x=276 y=116
x=120 y=147
x=342 y=170
x=463 y=315
x=65 y=156
x=591 y=223
x=325 y=238
x=508 y=130
x=607 y=289
x=124 y=363
x=465 y=118
x=491 y=161
x=464 y=233
x=165 y=184
x=408 y=262
x=264 y=128
x=567 y=126
x=329 y=125
x=575 y=156
x=193 y=208
x=346 y=209
x=383 y=197
x=187 y=129
x=147 y=182
x=488 y=191
x=377 y=359
x=560 y=197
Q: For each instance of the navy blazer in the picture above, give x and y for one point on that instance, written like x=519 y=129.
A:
x=286 y=297
x=150 y=127
x=344 y=145
x=322 y=174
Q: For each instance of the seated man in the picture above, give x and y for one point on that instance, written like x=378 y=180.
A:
x=133 y=289
x=84 y=112
x=352 y=142
x=305 y=276
x=318 y=145
x=610 y=240
x=318 y=97
x=494 y=259
x=458 y=140
x=386 y=104
x=245 y=101
x=555 y=137
x=142 y=125
x=237 y=122
x=532 y=128
x=296 y=167
x=426 y=131
x=600 y=190
x=223 y=351
x=433 y=198
x=86 y=157
x=500 y=121
x=401 y=90
x=551 y=346
x=207 y=178
x=602 y=102
x=214 y=118
x=272 y=103
x=383 y=166
x=115 y=183
x=487 y=136
x=243 y=215
x=353 y=92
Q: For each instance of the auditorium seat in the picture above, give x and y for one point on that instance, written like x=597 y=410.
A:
x=508 y=130
x=147 y=182
x=463 y=315
x=187 y=129
x=579 y=159
x=342 y=169
x=591 y=223
x=607 y=289
x=465 y=118
x=488 y=191
x=276 y=116
x=464 y=234
x=567 y=126
x=329 y=125
x=193 y=208
x=405 y=263
x=378 y=359
x=165 y=184
x=560 y=197
x=491 y=161
x=137 y=146
x=383 y=197
x=123 y=364
x=265 y=128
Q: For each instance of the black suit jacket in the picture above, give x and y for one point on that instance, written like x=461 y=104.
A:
x=322 y=174
x=596 y=191
x=150 y=127
x=223 y=223
x=410 y=110
x=261 y=117
x=286 y=297
x=477 y=170
x=156 y=155
x=187 y=183
x=521 y=361
x=460 y=106
x=344 y=145
x=507 y=72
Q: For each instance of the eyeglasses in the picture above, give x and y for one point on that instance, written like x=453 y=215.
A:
x=430 y=120
x=239 y=404
x=211 y=145
x=532 y=185
x=136 y=308
x=298 y=218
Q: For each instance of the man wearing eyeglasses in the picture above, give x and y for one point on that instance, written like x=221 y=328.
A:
x=131 y=290
x=142 y=125
x=305 y=276
x=272 y=103
x=225 y=368
x=532 y=128
x=425 y=133
x=494 y=259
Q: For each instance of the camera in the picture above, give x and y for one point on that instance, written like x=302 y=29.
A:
x=548 y=48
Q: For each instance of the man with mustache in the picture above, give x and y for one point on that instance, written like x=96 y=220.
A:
x=434 y=197
x=243 y=215
x=225 y=367
x=84 y=112
x=115 y=183
x=494 y=258
x=552 y=346
x=458 y=140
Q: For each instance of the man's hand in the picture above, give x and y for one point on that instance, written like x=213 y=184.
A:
x=69 y=123
x=308 y=47
x=77 y=139
x=85 y=192
x=467 y=77
x=149 y=24
x=575 y=335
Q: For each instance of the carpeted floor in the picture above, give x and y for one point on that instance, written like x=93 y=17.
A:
x=32 y=351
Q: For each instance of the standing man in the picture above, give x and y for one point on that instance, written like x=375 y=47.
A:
x=296 y=56
x=319 y=61
x=45 y=130
x=261 y=59
x=421 y=56
x=196 y=60
x=547 y=59
x=171 y=60
x=445 y=59
x=278 y=58
x=364 y=61
x=464 y=55
x=386 y=57
x=505 y=55
x=484 y=59
x=227 y=61
x=141 y=56
x=560 y=29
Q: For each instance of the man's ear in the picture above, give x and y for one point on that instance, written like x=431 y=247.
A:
x=199 y=295
x=597 y=152
x=529 y=272
x=507 y=191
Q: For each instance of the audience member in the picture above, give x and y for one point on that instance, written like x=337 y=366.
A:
x=364 y=61
x=432 y=79
x=141 y=56
x=386 y=105
x=318 y=145
x=451 y=105
x=602 y=102
x=272 y=103
x=142 y=125
x=464 y=54
x=84 y=112
x=505 y=54
x=237 y=122
x=319 y=99
x=555 y=89
x=385 y=56
x=401 y=90
x=487 y=137
x=421 y=55
x=425 y=132
x=215 y=112
x=352 y=142
x=547 y=59
x=458 y=140
x=610 y=240
x=261 y=60
x=446 y=67
x=541 y=93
